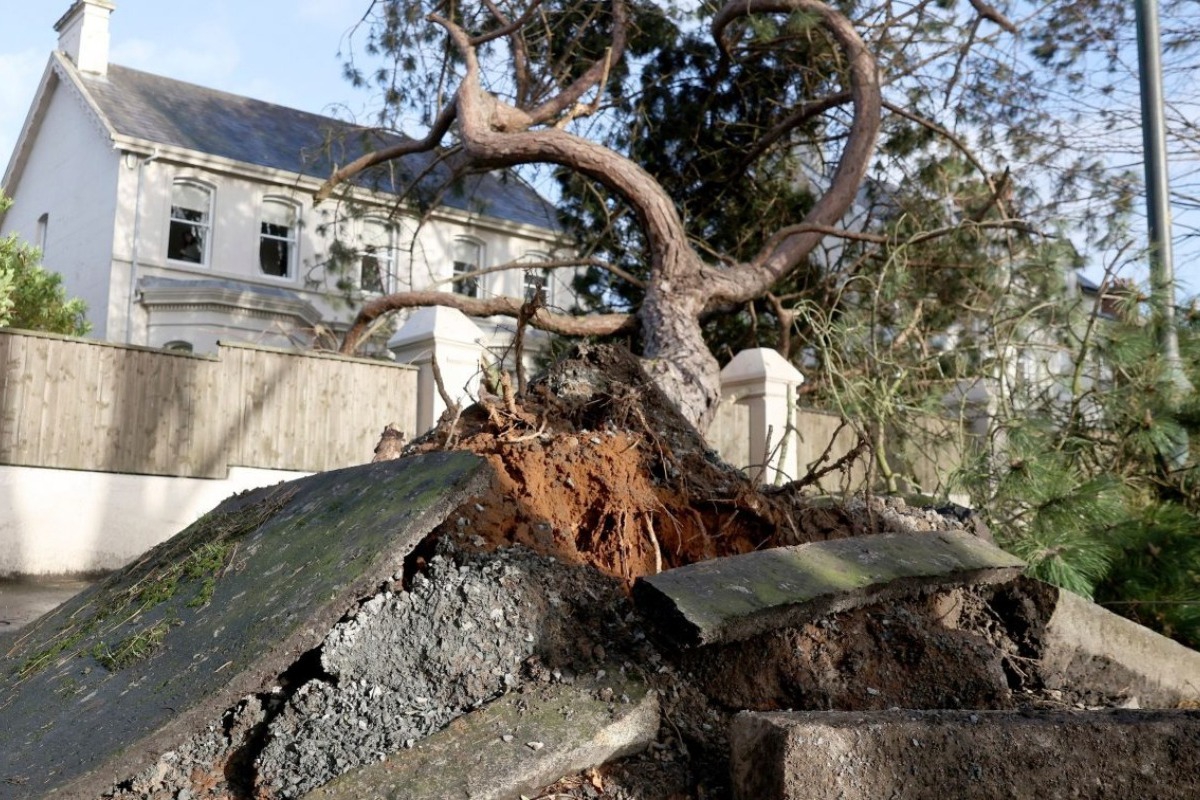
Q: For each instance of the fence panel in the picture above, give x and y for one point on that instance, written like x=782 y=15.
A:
x=308 y=411
x=824 y=438
x=81 y=404
x=923 y=460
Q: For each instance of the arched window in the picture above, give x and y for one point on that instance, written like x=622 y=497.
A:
x=191 y=222
x=536 y=279
x=277 y=240
x=43 y=231
x=468 y=258
x=377 y=258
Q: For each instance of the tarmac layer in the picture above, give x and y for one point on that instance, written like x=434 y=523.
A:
x=133 y=665
x=22 y=600
x=515 y=745
x=732 y=599
x=929 y=755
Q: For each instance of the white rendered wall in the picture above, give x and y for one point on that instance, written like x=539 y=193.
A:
x=420 y=262
x=55 y=521
x=71 y=175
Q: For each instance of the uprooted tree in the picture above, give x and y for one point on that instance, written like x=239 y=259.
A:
x=560 y=54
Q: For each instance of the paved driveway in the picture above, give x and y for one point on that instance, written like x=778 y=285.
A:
x=22 y=600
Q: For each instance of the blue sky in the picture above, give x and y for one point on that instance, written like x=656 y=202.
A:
x=282 y=51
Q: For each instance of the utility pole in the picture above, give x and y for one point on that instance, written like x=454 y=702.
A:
x=1158 y=201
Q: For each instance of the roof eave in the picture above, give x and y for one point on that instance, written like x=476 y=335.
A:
x=59 y=71
x=309 y=184
x=33 y=121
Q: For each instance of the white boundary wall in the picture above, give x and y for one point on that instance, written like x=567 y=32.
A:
x=57 y=521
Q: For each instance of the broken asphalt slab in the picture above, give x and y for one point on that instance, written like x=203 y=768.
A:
x=24 y=599
x=928 y=755
x=514 y=745
x=96 y=690
x=1085 y=644
x=735 y=598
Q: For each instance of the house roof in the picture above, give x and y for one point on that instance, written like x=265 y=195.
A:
x=170 y=112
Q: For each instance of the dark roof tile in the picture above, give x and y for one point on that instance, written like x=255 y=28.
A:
x=171 y=112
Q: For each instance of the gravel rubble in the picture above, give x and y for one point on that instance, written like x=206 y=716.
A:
x=403 y=664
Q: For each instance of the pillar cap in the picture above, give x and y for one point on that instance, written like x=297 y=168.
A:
x=436 y=323
x=760 y=364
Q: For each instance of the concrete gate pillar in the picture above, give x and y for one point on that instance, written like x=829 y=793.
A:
x=453 y=339
x=766 y=383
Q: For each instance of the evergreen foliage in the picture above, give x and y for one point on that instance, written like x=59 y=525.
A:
x=31 y=297
x=1092 y=475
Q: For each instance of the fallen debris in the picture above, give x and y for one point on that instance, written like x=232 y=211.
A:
x=134 y=664
x=359 y=622
x=732 y=599
x=515 y=745
x=912 y=755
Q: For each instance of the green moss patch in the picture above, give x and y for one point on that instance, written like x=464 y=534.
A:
x=188 y=566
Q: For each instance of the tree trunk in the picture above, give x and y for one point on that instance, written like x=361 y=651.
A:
x=674 y=351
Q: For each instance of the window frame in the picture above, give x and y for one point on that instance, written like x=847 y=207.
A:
x=205 y=223
x=291 y=239
x=532 y=259
x=475 y=286
x=43 y=232
x=385 y=263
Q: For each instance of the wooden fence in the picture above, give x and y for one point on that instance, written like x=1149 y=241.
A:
x=81 y=404
x=923 y=461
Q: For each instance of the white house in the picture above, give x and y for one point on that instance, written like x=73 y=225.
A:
x=184 y=215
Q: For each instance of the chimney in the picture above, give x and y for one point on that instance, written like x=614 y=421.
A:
x=83 y=34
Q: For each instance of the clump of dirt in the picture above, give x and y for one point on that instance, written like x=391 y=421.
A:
x=594 y=468
x=955 y=649
x=593 y=465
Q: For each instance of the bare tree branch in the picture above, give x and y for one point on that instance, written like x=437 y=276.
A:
x=551 y=322
x=990 y=13
x=440 y=127
x=594 y=74
x=786 y=252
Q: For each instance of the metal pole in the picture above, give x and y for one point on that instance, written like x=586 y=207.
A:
x=1158 y=205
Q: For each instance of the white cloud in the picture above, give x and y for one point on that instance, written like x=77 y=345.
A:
x=22 y=71
x=211 y=62
x=340 y=11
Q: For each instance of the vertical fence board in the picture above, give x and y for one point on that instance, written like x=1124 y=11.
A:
x=78 y=404
x=107 y=413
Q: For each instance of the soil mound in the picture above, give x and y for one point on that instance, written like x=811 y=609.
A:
x=593 y=465
x=597 y=481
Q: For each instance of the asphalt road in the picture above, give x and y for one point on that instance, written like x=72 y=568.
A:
x=22 y=600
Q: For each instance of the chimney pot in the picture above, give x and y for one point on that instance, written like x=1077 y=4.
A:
x=83 y=34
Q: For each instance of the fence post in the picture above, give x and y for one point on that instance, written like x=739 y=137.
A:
x=766 y=383
x=454 y=339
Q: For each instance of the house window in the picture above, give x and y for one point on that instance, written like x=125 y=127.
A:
x=377 y=261
x=178 y=346
x=43 y=231
x=191 y=222
x=468 y=257
x=536 y=279
x=277 y=241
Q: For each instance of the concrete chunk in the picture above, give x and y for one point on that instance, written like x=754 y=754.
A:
x=1087 y=645
x=94 y=691
x=931 y=755
x=514 y=745
x=731 y=599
